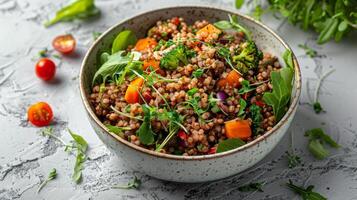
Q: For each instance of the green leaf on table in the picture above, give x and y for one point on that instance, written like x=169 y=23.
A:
x=123 y=40
x=306 y=194
x=308 y=51
x=229 y=144
x=317 y=139
x=317 y=107
x=79 y=142
x=81 y=146
x=52 y=175
x=251 y=187
x=79 y=9
x=132 y=184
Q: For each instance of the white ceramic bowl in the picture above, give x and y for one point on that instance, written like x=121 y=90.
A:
x=188 y=168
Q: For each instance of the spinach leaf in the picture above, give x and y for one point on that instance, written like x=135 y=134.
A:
x=79 y=9
x=145 y=133
x=229 y=144
x=306 y=194
x=123 y=40
x=115 y=64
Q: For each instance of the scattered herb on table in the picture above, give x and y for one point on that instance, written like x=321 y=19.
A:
x=52 y=175
x=229 y=144
x=79 y=9
x=316 y=104
x=317 y=139
x=251 y=187
x=282 y=86
x=81 y=146
x=306 y=194
x=132 y=184
x=293 y=159
x=308 y=50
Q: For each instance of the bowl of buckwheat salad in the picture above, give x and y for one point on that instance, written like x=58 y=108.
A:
x=190 y=94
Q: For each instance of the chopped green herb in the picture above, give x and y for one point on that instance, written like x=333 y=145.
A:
x=293 y=159
x=257 y=119
x=79 y=9
x=52 y=175
x=198 y=73
x=229 y=144
x=306 y=194
x=310 y=52
x=192 y=91
x=132 y=184
x=317 y=107
x=317 y=138
x=251 y=187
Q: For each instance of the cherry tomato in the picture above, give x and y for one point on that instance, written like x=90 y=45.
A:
x=260 y=103
x=45 y=69
x=181 y=134
x=64 y=43
x=212 y=150
x=176 y=21
x=40 y=114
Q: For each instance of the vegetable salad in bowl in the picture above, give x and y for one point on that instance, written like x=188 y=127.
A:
x=190 y=89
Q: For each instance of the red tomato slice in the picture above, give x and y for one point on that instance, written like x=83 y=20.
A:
x=40 y=114
x=45 y=69
x=64 y=43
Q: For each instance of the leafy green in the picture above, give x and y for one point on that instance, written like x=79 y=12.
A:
x=329 y=18
x=81 y=146
x=317 y=107
x=317 y=138
x=257 y=118
x=239 y=3
x=192 y=91
x=52 y=175
x=248 y=57
x=224 y=53
x=293 y=159
x=197 y=73
x=282 y=87
x=132 y=184
x=232 y=24
x=123 y=40
x=194 y=103
x=116 y=66
x=117 y=130
x=145 y=133
x=246 y=87
x=173 y=58
x=242 y=106
x=251 y=187
x=229 y=144
x=223 y=25
x=309 y=51
x=79 y=9
x=306 y=194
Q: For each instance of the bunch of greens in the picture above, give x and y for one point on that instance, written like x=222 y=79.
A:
x=317 y=139
x=80 y=9
x=329 y=18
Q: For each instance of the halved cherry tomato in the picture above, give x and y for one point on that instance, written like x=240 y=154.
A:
x=64 y=43
x=45 y=69
x=40 y=114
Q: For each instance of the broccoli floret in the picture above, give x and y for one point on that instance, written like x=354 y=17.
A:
x=172 y=59
x=248 y=58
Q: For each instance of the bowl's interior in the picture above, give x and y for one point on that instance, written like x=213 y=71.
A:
x=266 y=40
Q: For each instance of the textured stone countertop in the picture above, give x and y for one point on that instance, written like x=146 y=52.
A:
x=26 y=157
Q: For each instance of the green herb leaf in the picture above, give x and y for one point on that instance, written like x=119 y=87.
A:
x=117 y=130
x=115 y=65
x=242 y=106
x=229 y=144
x=133 y=184
x=328 y=32
x=197 y=73
x=123 y=40
x=293 y=159
x=233 y=19
x=309 y=51
x=306 y=194
x=192 y=91
x=245 y=87
x=145 y=133
x=81 y=145
x=257 y=118
x=251 y=187
x=317 y=107
x=288 y=59
x=223 y=25
x=239 y=3
x=79 y=9
x=317 y=138
x=52 y=175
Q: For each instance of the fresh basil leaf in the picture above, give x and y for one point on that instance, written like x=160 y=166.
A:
x=317 y=149
x=223 y=25
x=229 y=144
x=78 y=9
x=123 y=40
x=239 y=3
x=317 y=137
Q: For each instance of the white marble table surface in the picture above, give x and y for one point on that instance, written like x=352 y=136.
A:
x=26 y=157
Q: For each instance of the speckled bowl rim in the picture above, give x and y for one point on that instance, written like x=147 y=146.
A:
x=288 y=114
